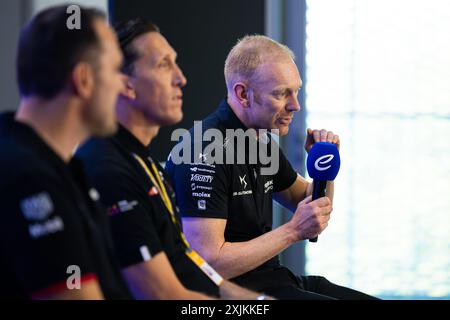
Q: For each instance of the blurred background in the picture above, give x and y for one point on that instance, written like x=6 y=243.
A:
x=375 y=72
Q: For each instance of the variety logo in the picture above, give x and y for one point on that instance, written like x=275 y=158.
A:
x=201 y=178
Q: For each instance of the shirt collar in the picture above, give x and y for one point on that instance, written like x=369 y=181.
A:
x=130 y=142
x=25 y=135
x=228 y=117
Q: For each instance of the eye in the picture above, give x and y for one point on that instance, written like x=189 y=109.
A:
x=279 y=94
x=164 y=64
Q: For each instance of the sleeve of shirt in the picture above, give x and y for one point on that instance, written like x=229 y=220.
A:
x=42 y=236
x=131 y=218
x=201 y=190
x=285 y=176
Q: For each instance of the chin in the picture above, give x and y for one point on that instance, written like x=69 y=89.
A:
x=170 y=121
x=283 y=131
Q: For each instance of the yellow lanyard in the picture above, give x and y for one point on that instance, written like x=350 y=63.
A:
x=157 y=182
x=192 y=254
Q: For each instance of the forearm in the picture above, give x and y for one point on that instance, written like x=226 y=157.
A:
x=236 y=258
x=231 y=291
x=194 y=295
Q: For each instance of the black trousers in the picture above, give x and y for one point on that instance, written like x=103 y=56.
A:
x=282 y=284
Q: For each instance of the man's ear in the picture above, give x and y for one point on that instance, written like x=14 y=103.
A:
x=83 y=80
x=128 y=90
x=241 y=92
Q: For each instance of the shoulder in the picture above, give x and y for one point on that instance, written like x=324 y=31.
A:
x=18 y=163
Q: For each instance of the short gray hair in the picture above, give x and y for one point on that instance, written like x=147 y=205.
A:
x=249 y=53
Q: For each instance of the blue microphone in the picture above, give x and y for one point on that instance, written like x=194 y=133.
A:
x=323 y=165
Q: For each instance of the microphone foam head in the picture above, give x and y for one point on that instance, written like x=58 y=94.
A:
x=323 y=161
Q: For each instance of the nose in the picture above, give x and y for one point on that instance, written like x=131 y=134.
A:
x=294 y=104
x=180 y=79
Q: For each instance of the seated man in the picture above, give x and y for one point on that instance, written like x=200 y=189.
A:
x=227 y=205
x=54 y=237
x=156 y=259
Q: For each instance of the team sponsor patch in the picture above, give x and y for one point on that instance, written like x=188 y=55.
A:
x=201 y=178
x=37 y=207
x=242 y=181
x=196 y=186
x=201 y=164
x=268 y=186
x=195 y=169
x=50 y=226
x=201 y=194
x=122 y=206
x=242 y=193
x=37 y=210
x=201 y=204
x=93 y=193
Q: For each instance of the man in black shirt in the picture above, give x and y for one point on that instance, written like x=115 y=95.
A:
x=54 y=239
x=227 y=204
x=156 y=259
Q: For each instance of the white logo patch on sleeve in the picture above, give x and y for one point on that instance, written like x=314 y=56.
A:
x=37 y=210
x=37 y=207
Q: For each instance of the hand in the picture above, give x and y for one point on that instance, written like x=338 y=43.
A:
x=323 y=135
x=310 y=218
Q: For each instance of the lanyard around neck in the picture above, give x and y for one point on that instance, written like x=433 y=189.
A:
x=157 y=182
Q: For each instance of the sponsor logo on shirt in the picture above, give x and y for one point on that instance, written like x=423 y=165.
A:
x=201 y=194
x=268 y=186
x=203 y=157
x=95 y=196
x=226 y=141
x=195 y=187
x=242 y=193
x=50 y=226
x=122 y=206
x=243 y=182
x=195 y=169
x=201 y=178
x=201 y=204
x=37 y=207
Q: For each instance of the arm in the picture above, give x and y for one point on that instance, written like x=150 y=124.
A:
x=231 y=291
x=232 y=259
x=298 y=191
x=155 y=279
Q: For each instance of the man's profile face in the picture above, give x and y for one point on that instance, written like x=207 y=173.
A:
x=100 y=113
x=273 y=98
x=157 y=80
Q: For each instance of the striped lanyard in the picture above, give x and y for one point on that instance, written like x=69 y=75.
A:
x=156 y=179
